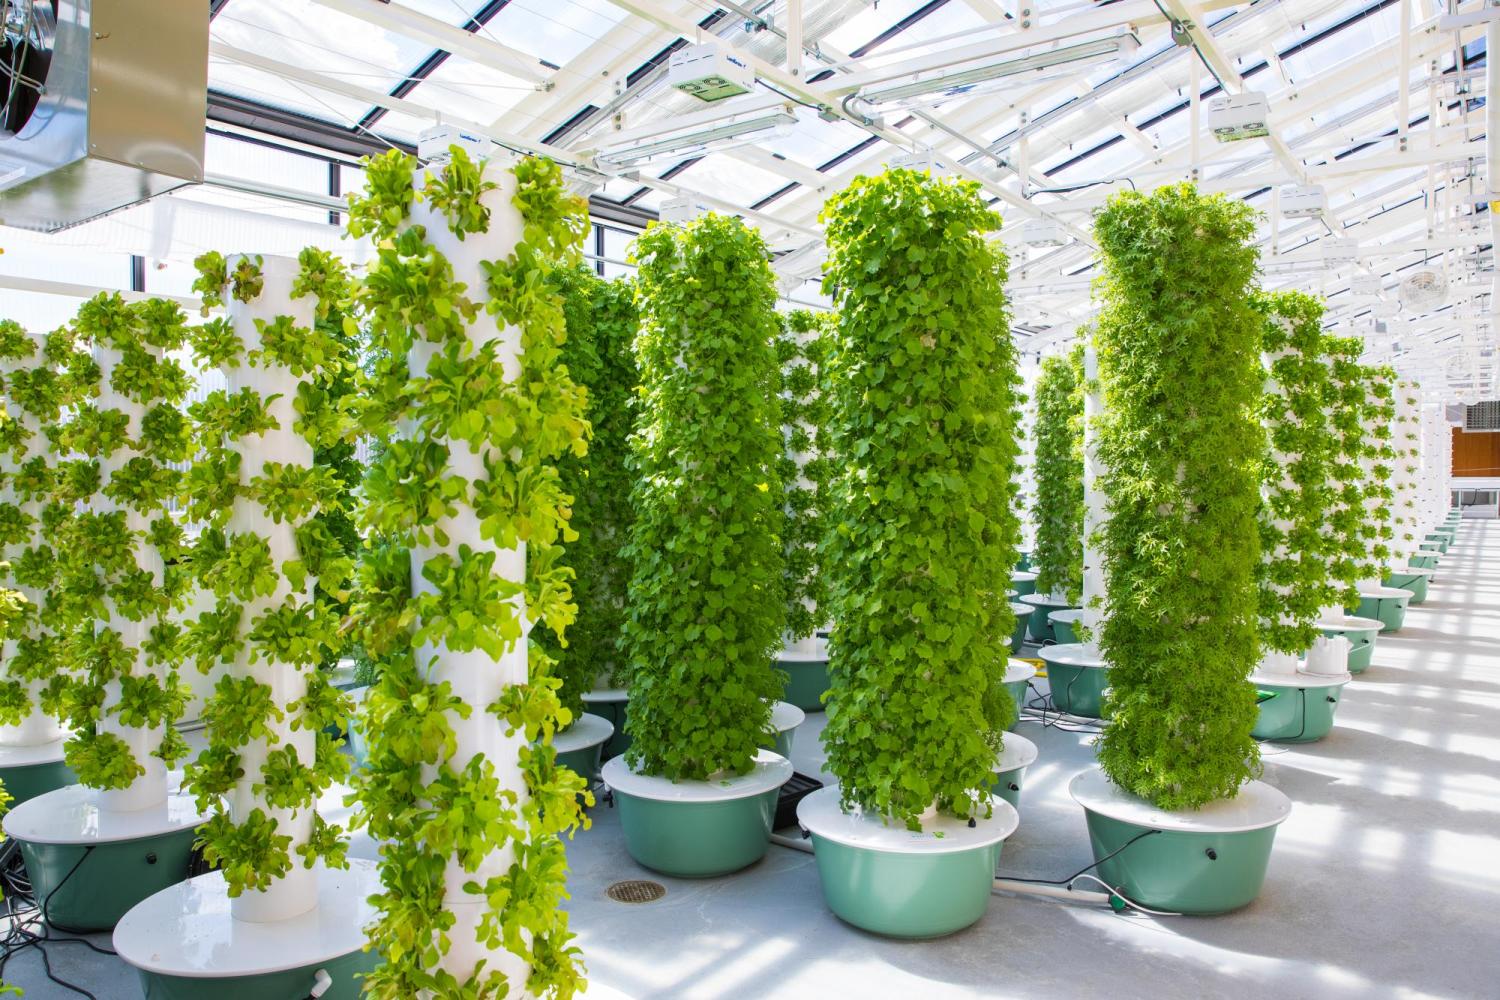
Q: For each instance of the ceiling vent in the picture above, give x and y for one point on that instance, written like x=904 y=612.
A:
x=103 y=106
x=1424 y=290
x=1232 y=117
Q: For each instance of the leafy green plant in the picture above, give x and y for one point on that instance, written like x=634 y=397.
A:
x=1377 y=461
x=1344 y=398
x=1058 y=507
x=805 y=466
x=116 y=595
x=1297 y=476
x=922 y=529
x=706 y=608
x=425 y=801
x=259 y=552
x=1179 y=371
x=601 y=321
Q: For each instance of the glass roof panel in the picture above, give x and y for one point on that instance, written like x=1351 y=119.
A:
x=466 y=89
x=730 y=179
x=555 y=30
x=309 y=35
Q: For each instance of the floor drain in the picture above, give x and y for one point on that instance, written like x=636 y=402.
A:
x=636 y=891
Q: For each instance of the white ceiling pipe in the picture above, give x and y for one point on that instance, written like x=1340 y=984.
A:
x=1492 y=141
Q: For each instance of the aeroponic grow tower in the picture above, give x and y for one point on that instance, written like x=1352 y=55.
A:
x=1376 y=463
x=29 y=655
x=1407 y=521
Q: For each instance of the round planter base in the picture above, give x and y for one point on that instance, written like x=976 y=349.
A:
x=1413 y=580
x=36 y=770
x=578 y=747
x=1023 y=582
x=1042 y=606
x=89 y=866
x=1301 y=708
x=1439 y=539
x=1016 y=755
x=1018 y=674
x=903 y=883
x=1023 y=559
x=1386 y=604
x=1023 y=620
x=613 y=706
x=185 y=945
x=806 y=679
x=1202 y=861
x=785 y=718
x=1077 y=676
x=1065 y=625
x=698 y=829
x=1423 y=560
x=1361 y=633
x=359 y=746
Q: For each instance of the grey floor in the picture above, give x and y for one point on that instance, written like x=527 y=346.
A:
x=1385 y=880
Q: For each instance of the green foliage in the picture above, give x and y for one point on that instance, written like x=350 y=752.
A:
x=456 y=191
x=1179 y=371
x=1377 y=461
x=426 y=805
x=101 y=760
x=705 y=608
x=601 y=322
x=1344 y=403
x=1297 y=477
x=804 y=467
x=213 y=276
x=1058 y=507
x=922 y=528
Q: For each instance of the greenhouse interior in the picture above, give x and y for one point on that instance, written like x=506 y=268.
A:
x=765 y=499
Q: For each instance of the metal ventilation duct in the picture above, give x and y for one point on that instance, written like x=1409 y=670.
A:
x=1482 y=417
x=102 y=105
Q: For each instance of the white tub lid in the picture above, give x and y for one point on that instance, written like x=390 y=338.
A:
x=1351 y=623
x=1021 y=610
x=771 y=770
x=802 y=656
x=1383 y=593
x=41 y=753
x=1057 y=601
x=71 y=815
x=1257 y=806
x=1412 y=571
x=1022 y=576
x=1074 y=654
x=586 y=731
x=605 y=696
x=786 y=716
x=1070 y=615
x=1015 y=752
x=186 y=930
x=1017 y=671
x=1301 y=679
x=820 y=814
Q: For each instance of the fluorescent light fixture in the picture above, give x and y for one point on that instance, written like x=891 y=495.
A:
x=697 y=142
x=933 y=87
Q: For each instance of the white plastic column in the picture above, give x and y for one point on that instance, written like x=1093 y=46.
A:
x=1273 y=660
x=149 y=789
x=38 y=727
x=1437 y=448
x=1026 y=460
x=1406 y=440
x=295 y=892
x=809 y=644
x=1372 y=504
x=475 y=677
x=1094 y=513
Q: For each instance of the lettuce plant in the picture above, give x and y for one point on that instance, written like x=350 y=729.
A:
x=706 y=606
x=120 y=556
x=1377 y=410
x=1344 y=398
x=1058 y=508
x=601 y=321
x=1180 y=375
x=922 y=526
x=269 y=562
x=476 y=453
x=1298 y=480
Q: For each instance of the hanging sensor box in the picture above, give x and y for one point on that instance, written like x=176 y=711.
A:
x=1366 y=285
x=709 y=73
x=1043 y=233
x=1303 y=202
x=1233 y=117
x=1339 y=250
x=676 y=211
x=921 y=161
x=433 y=145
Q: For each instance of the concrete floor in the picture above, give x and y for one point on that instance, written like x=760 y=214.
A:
x=1385 y=881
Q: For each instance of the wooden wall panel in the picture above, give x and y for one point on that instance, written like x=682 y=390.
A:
x=1475 y=454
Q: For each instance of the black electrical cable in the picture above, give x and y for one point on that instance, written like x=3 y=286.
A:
x=47 y=921
x=1087 y=868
